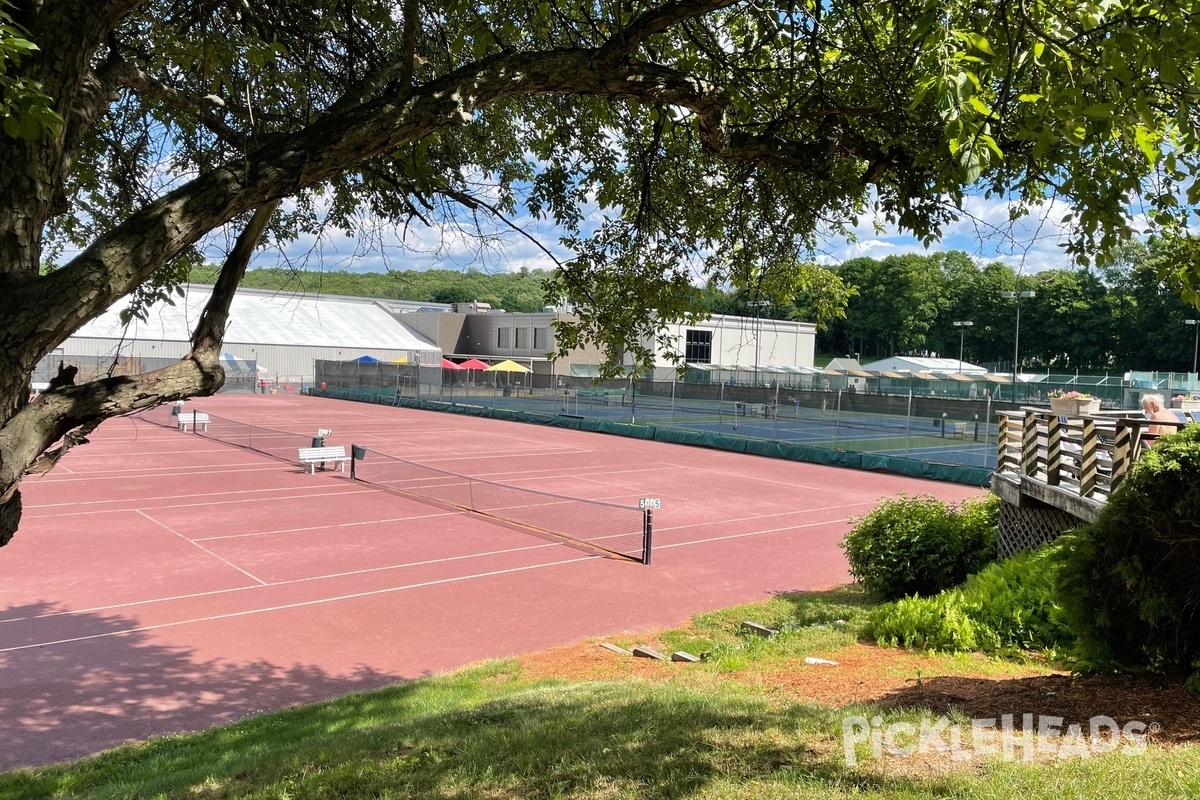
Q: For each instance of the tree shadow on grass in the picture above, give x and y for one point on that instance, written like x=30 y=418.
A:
x=1122 y=697
x=78 y=697
x=467 y=735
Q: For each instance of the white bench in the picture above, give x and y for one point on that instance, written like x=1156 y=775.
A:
x=322 y=455
x=192 y=418
x=958 y=429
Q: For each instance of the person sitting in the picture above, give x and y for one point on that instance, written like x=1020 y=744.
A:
x=1153 y=406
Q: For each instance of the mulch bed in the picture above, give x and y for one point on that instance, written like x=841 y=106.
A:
x=898 y=678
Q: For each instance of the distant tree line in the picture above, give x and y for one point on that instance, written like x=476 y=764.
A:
x=1123 y=316
x=523 y=290
x=1127 y=315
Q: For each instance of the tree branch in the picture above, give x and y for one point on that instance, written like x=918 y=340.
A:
x=55 y=414
x=627 y=40
x=136 y=79
x=128 y=254
x=209 y=335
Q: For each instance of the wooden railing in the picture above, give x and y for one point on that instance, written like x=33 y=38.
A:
x=1084 y=457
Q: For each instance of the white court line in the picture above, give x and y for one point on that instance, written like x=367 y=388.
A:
x=302 y=604
x=327 y=527
x=658 y=547
x=202 y=548
x=183 y=496
x=465 y=456
x=759 y=478
x=766 y=516
x=180 y=472
x=551 y=473
x=256 y=500
x=293 y=581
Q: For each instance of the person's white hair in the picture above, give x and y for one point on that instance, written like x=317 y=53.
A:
x=1157 y=399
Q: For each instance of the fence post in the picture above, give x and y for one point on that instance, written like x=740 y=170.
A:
x=1087 y=459
x=837 y=420
x=1122 y=451
x=1001 y=444
x=908 y=423
x=1054 y=450
x=1029 y=444
x=775 y=415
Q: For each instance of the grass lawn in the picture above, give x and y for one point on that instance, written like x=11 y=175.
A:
x=752 y=720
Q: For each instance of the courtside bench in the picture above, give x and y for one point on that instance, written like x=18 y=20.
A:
x=312 y=456
x=192 y=418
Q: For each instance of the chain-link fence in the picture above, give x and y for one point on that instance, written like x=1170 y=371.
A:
x=936 y=429
x=241 y=375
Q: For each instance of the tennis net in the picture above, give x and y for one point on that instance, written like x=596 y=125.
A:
x=268 y=441
x=594 y=524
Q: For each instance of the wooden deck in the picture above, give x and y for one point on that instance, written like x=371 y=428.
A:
x=1070 y=463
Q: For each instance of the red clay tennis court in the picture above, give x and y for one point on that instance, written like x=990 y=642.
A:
x=164 y=582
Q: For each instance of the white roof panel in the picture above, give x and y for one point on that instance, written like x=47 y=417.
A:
x=270 y=318
x=924 y=364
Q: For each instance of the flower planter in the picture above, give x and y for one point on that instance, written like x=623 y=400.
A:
x=1186 y=405
x=1074 y=406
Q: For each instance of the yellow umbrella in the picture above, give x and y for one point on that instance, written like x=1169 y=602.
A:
x=507 y=366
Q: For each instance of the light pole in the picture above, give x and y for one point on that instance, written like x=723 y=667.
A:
x=758 y=306
x=962 y=326
x=1017 y=296
x=1196 y=346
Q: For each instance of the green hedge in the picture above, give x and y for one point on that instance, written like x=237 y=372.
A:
x=920 y=545
x=1130 y=583
x=1008 y=605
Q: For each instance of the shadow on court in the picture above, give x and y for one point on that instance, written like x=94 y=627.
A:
x=74 y=699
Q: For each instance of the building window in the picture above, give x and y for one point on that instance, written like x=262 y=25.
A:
x=522 y=338
x=539 y=338
x=698 y=347
x=502 y=337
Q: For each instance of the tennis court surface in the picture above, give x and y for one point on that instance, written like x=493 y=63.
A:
x=164 y=582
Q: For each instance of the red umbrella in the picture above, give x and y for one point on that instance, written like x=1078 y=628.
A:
x=472 y=363
x=448 y=364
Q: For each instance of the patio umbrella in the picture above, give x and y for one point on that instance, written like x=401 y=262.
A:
x=448 y=364
x=507 y=366
x=368 y=360
x=473 y=363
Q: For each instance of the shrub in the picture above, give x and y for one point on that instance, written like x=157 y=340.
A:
x=1129 y=584
x=920 y=545
x=1008 y=605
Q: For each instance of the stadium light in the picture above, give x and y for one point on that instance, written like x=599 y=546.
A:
x=758 y=305
x=962 y=326
x=1017 y=296
x=1196 y=346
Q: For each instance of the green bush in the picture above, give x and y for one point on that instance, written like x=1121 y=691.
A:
x=920 y=545
x=1129 y=584
x=1008 y=605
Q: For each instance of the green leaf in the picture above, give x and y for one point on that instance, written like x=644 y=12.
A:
x=1099 y=109
x=979 y=43
x=1147 y=143
x=980 y=106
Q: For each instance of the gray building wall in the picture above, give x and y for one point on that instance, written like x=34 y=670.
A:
x=289 y=364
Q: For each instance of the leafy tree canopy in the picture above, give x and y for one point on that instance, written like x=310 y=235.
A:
x=717 y=139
